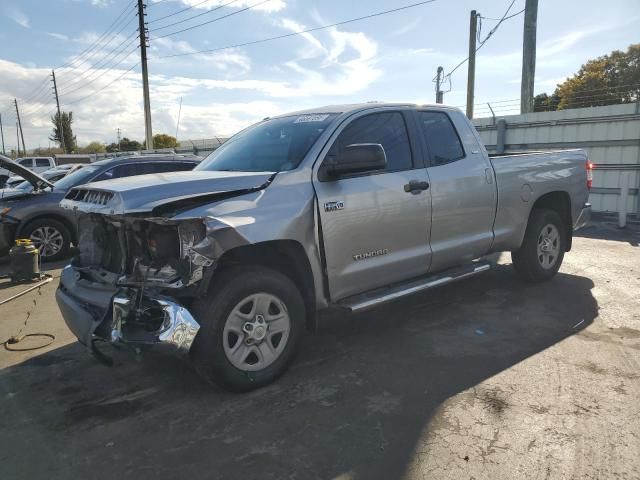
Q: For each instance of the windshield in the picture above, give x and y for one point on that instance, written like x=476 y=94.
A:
x=25 y=186
x=271 y=146
x=76 y=178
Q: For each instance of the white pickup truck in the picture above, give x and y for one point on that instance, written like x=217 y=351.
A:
x=36 y=164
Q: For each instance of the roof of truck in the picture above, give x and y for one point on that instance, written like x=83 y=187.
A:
x=353 y=107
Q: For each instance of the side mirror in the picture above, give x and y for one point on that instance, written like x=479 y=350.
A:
x=356 y=158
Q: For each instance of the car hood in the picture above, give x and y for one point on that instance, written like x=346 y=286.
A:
x=32 y=177
x=162 y=192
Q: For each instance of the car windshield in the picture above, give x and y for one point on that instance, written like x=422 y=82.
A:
x=273 y=145
x=76 y=178
x=25 y=186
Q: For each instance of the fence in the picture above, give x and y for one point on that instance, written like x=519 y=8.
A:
x=609 y=134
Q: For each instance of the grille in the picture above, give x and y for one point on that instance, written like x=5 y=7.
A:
x=85 y=195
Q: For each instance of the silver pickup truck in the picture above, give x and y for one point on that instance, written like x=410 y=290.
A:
x=345 y=206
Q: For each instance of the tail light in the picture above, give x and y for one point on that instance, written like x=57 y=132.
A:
x=590 y=167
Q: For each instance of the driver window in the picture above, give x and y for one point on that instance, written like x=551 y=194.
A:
x=387 y=129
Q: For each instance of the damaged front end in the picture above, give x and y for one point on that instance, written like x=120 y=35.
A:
x=133 y=278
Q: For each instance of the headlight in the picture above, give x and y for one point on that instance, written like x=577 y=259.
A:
x=4 y=211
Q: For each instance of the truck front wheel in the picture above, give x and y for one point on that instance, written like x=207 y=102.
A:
x=542 y=251
x=249 y=328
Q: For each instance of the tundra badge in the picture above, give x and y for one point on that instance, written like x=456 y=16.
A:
x=333 y=206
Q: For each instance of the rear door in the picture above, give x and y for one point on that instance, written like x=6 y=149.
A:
x=374 y=232
x=463 y=190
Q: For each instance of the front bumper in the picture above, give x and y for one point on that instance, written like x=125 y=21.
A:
x=97 y=311
x=583 y=218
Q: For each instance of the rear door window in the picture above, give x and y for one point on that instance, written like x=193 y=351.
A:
x=42 y=162
x=441 y=137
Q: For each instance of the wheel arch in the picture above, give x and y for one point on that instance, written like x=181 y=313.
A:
x=560 y=202
x=285 y=256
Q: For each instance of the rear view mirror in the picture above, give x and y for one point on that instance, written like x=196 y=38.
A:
x=357 y=158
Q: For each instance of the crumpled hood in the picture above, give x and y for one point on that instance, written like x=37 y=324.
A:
x=143 y=193
x=32 y=177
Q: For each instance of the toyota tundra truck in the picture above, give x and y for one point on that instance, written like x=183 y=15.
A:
x=343 y=207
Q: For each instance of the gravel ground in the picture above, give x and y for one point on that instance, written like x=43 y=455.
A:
x=489 y=378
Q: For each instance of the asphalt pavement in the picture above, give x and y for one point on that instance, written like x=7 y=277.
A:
x=489 y=378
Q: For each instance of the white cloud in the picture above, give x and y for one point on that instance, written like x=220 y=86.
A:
x=58 y=36
x=18 y=17
x=269 y=6
x=408 y=27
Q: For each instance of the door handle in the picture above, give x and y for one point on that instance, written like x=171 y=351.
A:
x=416 y=186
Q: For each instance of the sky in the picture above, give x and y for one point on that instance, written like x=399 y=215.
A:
x=391 y=57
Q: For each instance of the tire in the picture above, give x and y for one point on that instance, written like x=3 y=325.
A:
x=238 y=299
x=58 y=234
x=542 y=251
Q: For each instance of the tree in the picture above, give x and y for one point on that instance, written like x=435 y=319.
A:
x=606 y=80
x=69 y=137
x=94 y=147
x=162 y=140
x=126 y=145
x=545 y=103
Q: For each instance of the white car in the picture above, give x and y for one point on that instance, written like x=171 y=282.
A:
x=36 y=164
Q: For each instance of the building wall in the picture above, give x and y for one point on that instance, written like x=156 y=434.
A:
x=609 y=134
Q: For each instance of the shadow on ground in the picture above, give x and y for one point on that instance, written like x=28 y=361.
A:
x=605 y=227
x=356 y=401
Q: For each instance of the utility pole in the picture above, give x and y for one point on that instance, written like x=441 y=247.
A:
x=2 y=135
x=60 y=124
x=17 y=140
x=178 y=122
x=528 y=56
x=471 y=72
x=118 y=132
x=145 y=74
x=24 y=149
x=439 y=93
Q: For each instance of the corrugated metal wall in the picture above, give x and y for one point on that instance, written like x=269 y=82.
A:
x=610 y=134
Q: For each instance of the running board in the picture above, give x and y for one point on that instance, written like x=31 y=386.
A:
x=373 y=298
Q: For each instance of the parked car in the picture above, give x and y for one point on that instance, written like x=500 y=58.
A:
x=17 y=185
x=341 y=207
x=35 y=164
x=37 y=214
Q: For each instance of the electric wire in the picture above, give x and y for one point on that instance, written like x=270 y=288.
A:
x=179 y=11
x=133 y=37
x=103 y=87
x=96 y=74
x=482 y=43
x=301 y=32
x=217 y=19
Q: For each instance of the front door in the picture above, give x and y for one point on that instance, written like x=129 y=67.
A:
x=374 y=231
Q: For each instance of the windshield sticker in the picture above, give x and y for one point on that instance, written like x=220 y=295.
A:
x=311 y=118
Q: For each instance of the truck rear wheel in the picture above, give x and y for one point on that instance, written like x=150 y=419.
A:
x=249 y=328
x=542 y=251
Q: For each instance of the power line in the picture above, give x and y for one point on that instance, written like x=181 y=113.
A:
x=505 y=18
x=63 y=84
x=96 y=74
x=93 y=46
x=192 y=17
x=102 y=63
x=481 y=44
x=309 y=30
x=210 y=21
x=178 y=12
x=102 y=88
